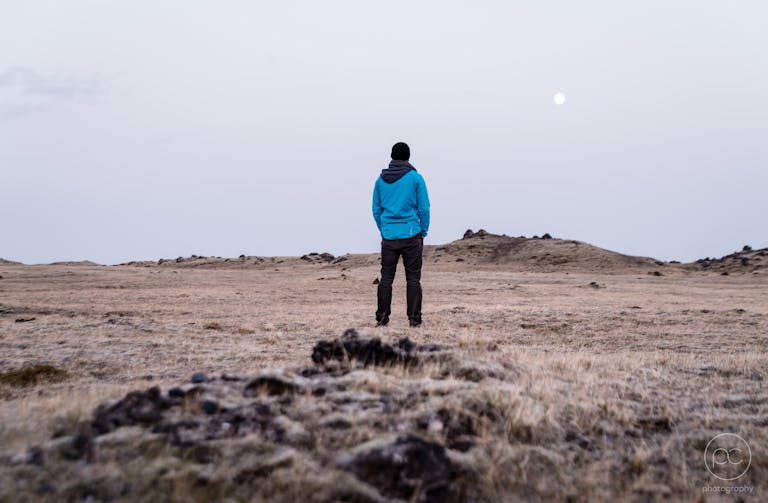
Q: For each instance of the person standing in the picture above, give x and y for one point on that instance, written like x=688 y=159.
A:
x=401 y=212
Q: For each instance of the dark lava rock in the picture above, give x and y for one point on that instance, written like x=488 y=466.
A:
x=315 y=257
x=25 y=320
x=654 y=423
x=199 y=377
x=578 y=439
x=138 y=407
x=376 y=281
x=546 y=236
x=209 y=407
x=410 y=468
x=368 y=351
x=746 y=248
x=655 y=273
x=80 y=446
x=479 y=234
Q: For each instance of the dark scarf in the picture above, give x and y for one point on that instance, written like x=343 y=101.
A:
x=396 y=170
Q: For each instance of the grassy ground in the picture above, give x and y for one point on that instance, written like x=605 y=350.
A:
x=614 y=383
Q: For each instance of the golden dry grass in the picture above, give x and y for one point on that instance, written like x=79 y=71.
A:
x=657 y=364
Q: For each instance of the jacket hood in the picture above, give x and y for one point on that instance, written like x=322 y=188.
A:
x=396 y=170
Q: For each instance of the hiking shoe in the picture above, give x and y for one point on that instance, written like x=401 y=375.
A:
x=415 y=323
x=382 y=322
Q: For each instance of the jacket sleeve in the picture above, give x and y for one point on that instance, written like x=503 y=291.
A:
x=422 y=199
x=377 y=205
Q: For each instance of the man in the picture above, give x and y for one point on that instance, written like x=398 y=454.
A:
x=401 y=211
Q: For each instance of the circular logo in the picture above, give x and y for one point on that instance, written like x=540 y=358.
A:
x=727 y=456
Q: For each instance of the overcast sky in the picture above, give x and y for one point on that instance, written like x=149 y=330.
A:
x=139 y=130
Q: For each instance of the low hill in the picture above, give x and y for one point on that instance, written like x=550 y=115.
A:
x=745 y=261
x=536 y=253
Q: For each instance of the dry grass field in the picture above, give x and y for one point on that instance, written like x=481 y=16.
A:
x=561 y=380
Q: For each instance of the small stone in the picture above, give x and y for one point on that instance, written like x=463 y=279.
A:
x=44 y=488
x=32 y=456
x=199 y=377
x=578 y=439
x=546 y=236
x=209 y=407
x=376 y=281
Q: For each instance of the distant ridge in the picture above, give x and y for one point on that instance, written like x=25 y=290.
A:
x=483 y=249
x=475 y=249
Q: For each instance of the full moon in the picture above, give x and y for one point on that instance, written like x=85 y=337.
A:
x=559 y=98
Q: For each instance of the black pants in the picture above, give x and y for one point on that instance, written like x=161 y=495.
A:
x=391 y=250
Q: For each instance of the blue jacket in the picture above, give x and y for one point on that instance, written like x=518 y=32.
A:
x=401 y=202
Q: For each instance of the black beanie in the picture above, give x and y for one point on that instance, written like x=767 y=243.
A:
x=401 y=152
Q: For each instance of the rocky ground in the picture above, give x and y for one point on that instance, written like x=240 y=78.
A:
x=202 y=379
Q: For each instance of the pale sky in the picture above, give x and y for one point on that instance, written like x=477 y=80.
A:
x=140 y=130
